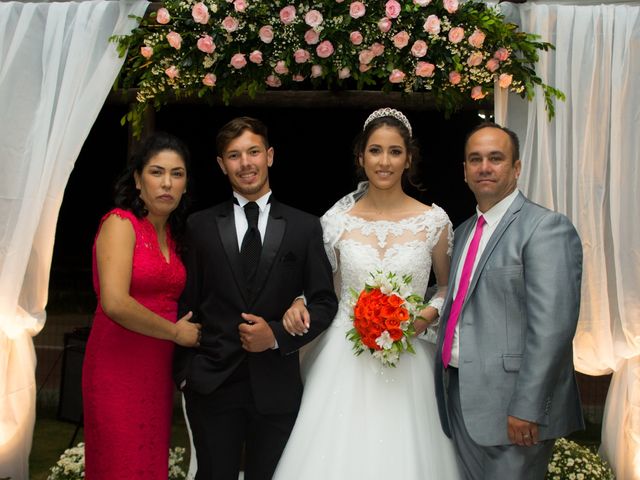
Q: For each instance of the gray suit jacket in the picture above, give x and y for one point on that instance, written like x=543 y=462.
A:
x=517 y=326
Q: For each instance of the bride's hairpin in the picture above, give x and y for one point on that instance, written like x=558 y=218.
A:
x=389 y=112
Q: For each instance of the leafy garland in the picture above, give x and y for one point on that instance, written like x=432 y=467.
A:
x=227 y=48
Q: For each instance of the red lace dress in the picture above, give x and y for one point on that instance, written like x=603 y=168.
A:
x=126 y=380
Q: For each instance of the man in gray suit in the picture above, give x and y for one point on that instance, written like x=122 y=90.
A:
x=505 y=382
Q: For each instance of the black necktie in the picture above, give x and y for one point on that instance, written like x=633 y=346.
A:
x=251 y=243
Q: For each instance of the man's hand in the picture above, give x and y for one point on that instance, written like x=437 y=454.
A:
x=255 y=334
x=522 y=432
x=296 y=319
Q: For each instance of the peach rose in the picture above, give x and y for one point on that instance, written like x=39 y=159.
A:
x=432 y=25
x=450 y=6
x=419 y=48
x=298 y=78
x=455 y=78
x=492 y=65
x=238 y=61
x=357 y=9
x=230 y=24
x=504 y=80
x=474 y=59
x=501 y=54
x=364 y=68
x=273 y=81
x=366 y=56
x=200 y=13
x=401 y=39
x=281 y=68
x=311 y=37
x=266 y=34
x=316 y=71
x=422 y=3
x=425 y=69
x=256 y=57
x=162 y=16
x=477 y=38
x=356 y=38
x=477 y=93
x=343 y=73
x=377 y=49
x=288 y=14
x=146 y=52
x=239 y=5
x=456 y=35
x=301 y=55
x=172 y=72
x=325 y=49
x=205 y=44
x=174 y=39
x=313 y=18
x=209 y=80
x=384 y=24
x=392 y=9
x=397 y=76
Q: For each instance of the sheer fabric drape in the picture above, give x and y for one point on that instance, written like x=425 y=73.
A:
x=56 y=69
x=586 y=164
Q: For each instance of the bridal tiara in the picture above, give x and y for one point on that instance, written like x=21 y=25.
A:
x=389 y=112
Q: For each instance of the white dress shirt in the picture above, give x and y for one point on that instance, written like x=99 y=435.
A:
x=241 y=219
x=492 y=217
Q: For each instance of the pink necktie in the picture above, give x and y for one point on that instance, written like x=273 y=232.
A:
x=465 y=278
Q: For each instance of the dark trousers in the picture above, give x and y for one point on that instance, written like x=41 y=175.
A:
x=224 y=422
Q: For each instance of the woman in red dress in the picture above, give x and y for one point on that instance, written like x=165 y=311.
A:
x=138 y=277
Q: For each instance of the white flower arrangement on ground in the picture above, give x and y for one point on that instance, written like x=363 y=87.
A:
x=571 y=461
x=70 y=465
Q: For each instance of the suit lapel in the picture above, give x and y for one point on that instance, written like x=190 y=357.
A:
x=229 y=237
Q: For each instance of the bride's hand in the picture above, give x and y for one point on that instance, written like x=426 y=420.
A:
x=428 y=317
x=296 y=319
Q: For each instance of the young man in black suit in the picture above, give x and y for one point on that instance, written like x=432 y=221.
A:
x=247 y=260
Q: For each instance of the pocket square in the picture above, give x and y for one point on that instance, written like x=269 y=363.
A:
x=288 y=258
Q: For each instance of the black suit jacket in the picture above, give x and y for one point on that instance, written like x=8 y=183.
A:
x=293 y=261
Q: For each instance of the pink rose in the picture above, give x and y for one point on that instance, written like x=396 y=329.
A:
x=172 y=72
x=281 y=68
x=266 y=34
x=492 y=65
x=366 y=56
x=162 y=16
x=422 y=3
x=313 y=18
x=357 y=9
x=384 y=24
x=363 y=68
x=301 y=55
x=273 y=81
x=397 y=76
x=200 y=13
x=325 y=49
x=238 y=61
x=239 y=5
x=432 y=25
x=316 y=71
x=205 y=44
x=146 y=52
x=392 y=9
x=174 y=39
x=474 y=59
x=477 y=94
x=454 y=78
x=343 y=73
x=288 y=14
x=377 y=49
x=230 y=24
x=501 y=54
x=356 y=38
x=450 y=6
x=209 y=80
x=477 y=39
x=298 y=78
x=401 y=39
x=255 y=57
x=505 y=80
x=425 y=69
x=419 y=48
x=311 y=37
x=456 y=35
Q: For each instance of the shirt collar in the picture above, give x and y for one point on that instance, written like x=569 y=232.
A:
x=262 y=202
x=495 y=213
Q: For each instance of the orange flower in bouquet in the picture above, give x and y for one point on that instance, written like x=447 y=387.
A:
x=383 y=317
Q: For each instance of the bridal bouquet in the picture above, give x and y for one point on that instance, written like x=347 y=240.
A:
x=383 y=317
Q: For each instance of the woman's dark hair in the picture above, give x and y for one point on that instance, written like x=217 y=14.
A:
x=411 y=175
x=127 y=196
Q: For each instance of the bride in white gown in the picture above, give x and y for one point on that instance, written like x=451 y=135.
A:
x=359 y=419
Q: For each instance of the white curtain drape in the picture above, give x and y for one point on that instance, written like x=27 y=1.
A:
x=56 y=69
x=586 y=164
